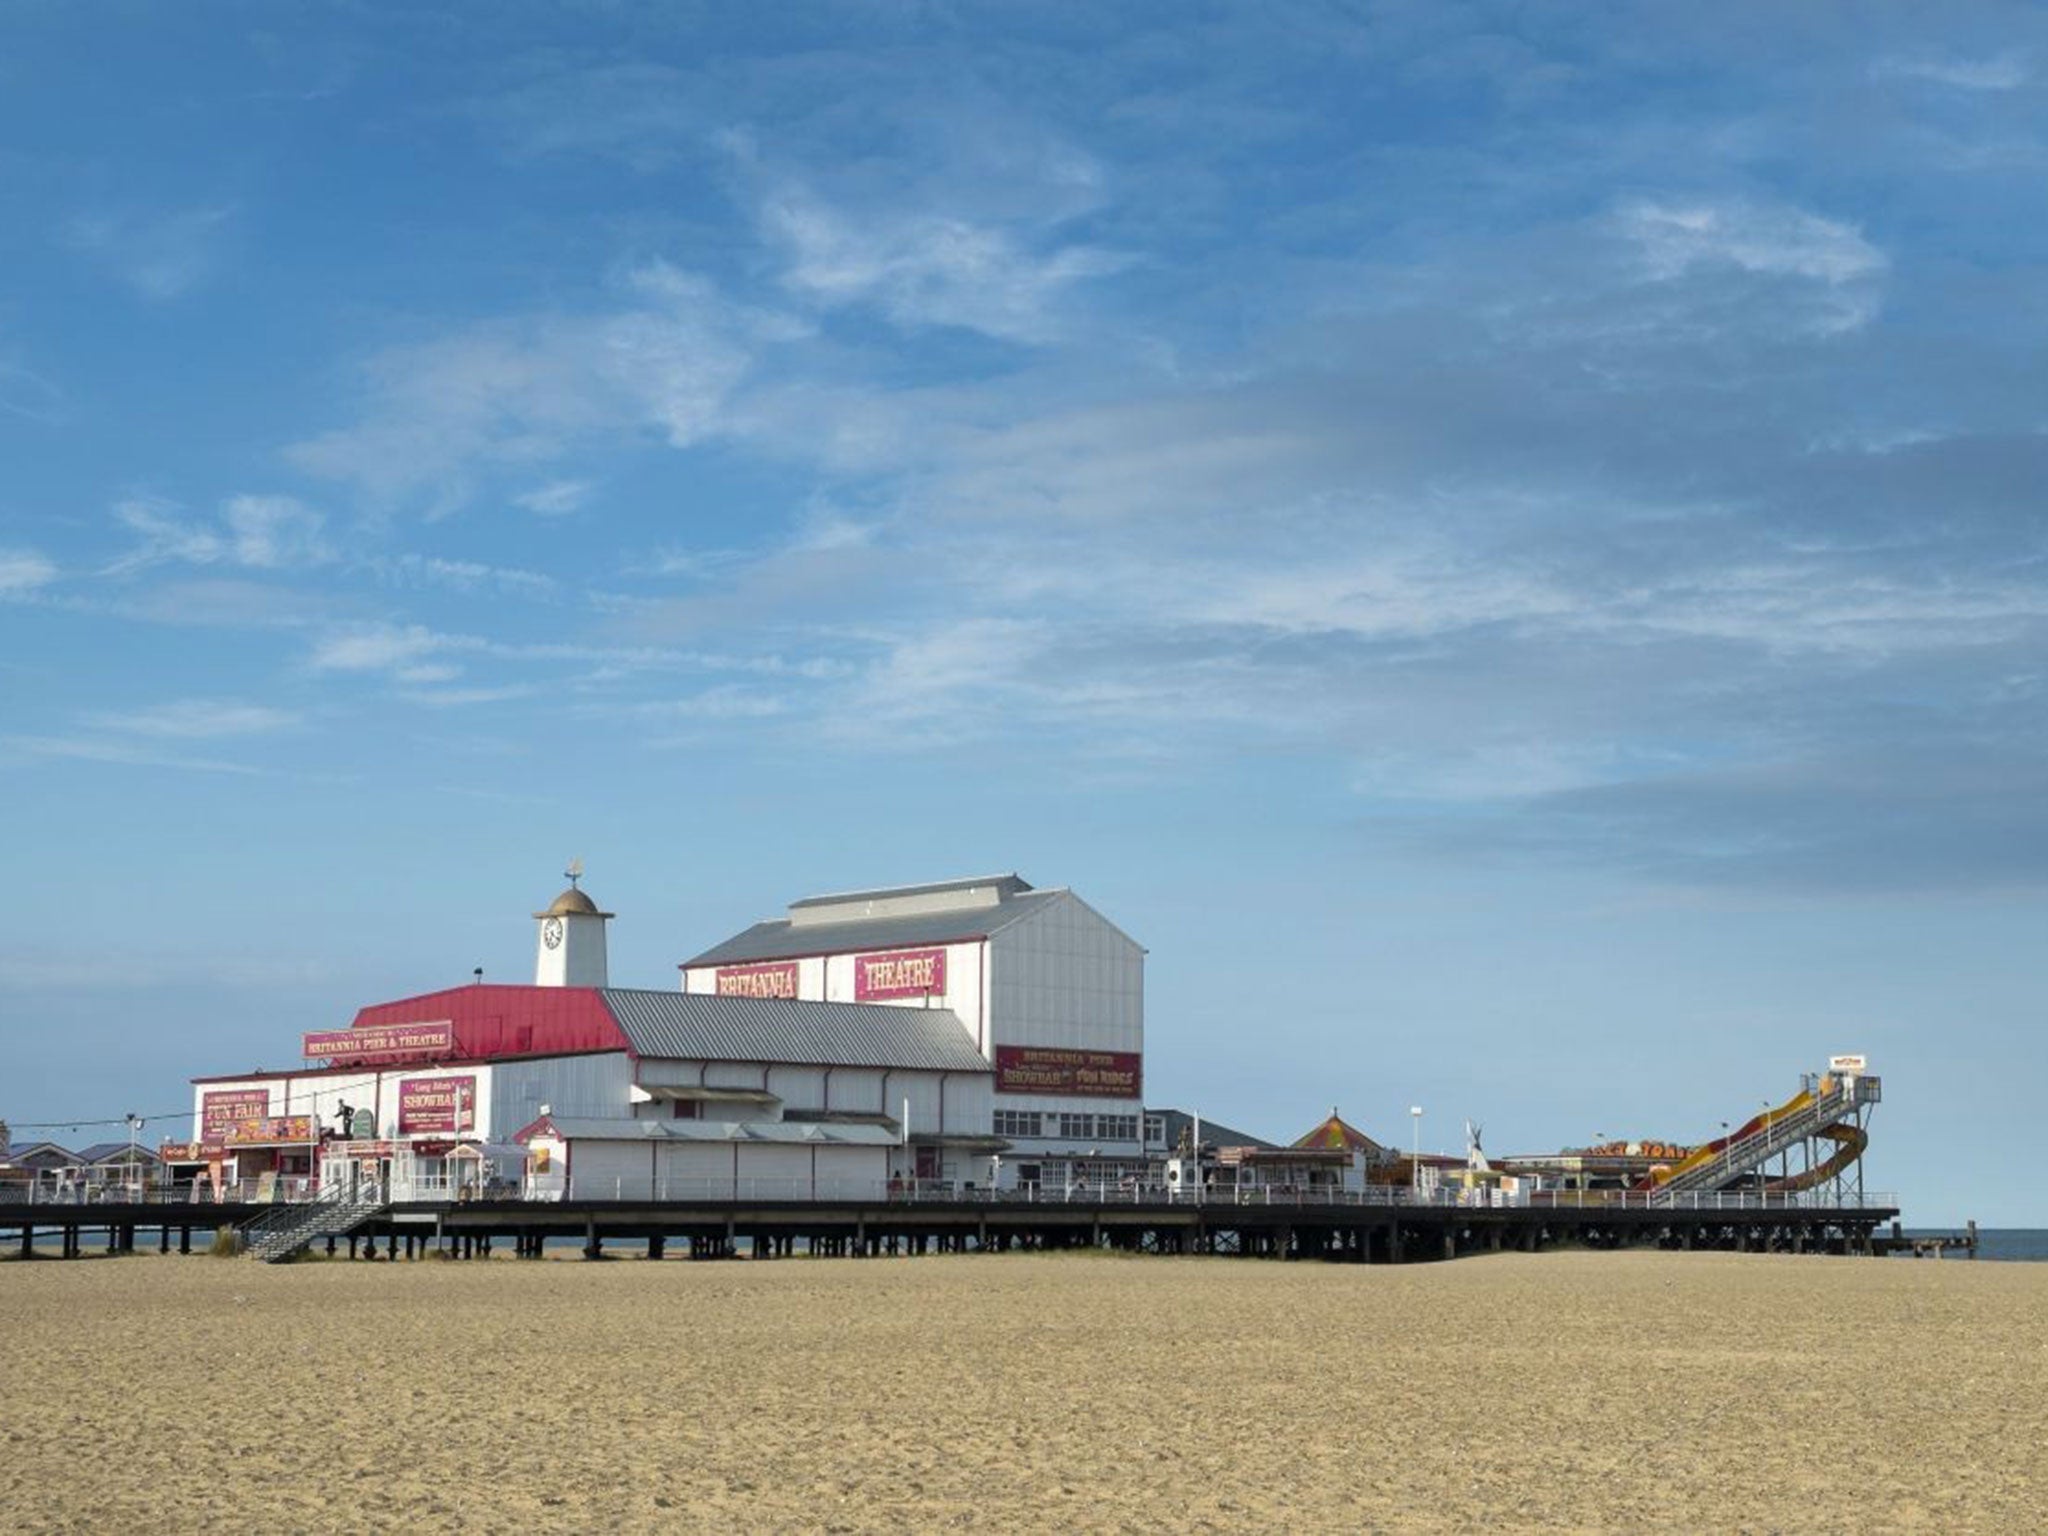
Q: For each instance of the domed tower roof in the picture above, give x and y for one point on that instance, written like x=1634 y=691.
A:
x=574 y=902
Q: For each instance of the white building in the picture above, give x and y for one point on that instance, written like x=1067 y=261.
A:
x=621 y=1093
x=1049 y=992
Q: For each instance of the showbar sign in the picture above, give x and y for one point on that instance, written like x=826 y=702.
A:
x=905 y=973
x=1083 y=1074
x=383 y=1042
x=436 y=1105
x=220 y=1113
x=777 y=980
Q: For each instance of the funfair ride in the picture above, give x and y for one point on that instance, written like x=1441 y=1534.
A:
x=1815 y=1139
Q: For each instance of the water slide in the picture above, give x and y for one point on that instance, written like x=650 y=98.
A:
x=1849 y=1138
x=1707 y=1151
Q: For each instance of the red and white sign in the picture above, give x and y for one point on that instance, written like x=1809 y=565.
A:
x=777 y=980
x=436 y=1105
x=905 y=973
x=383 y=1042
x=1081 y=1074
x=220 y=1113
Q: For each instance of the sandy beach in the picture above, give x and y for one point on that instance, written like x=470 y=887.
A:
x=1567 y=1390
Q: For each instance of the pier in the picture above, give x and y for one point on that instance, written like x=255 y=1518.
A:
x=953 y=1221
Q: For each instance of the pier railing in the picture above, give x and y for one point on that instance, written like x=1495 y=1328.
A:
x=719 y=1191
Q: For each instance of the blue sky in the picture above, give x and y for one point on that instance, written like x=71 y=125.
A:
x=1504 y=544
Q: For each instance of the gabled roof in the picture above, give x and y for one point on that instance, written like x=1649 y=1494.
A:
x=1337 y=1135
x=117 y=1152
x=702 y=1026
x=1214 y=1132
x=21 y=1152
x=780 y=939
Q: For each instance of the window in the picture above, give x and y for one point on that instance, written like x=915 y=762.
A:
x=1077 y=1127
x=1117 y=1127
x=1019 y=1122
x=1155 y=1130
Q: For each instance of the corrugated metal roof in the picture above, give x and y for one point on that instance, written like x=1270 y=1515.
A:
x=778 y=939
x=592 y=1128
x=701 y=1026
x=1009 y=885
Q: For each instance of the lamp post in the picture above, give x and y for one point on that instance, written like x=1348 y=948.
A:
x=1415 y=1162
x=134 y=1133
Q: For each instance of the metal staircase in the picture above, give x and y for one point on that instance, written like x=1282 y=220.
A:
x=285 y=1231
x=1846 y=1100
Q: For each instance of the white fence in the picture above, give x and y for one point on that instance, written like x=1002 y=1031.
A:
x=436 y=1190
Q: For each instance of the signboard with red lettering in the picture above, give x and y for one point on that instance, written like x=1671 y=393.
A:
x=776 y=980
x=904 y=973
x=219 y=1113
x=436 y=1105
x=1083 y=1074
x=383 y=1042
x=190 y=1151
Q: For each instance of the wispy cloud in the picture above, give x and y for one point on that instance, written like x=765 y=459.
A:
x=107 y=749
x=557 y=498
x=467 y=576
x=159 y=256
x=506 y=396
x=24 y=570
x=386 y=648
x=930 y=269
x=2001 y=72
x=196 y=719
x=269 y=533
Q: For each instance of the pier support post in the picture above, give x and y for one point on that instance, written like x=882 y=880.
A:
x=655 y=1245
x=28 y=1241
x=592 y=1247
x=163 y=1241
x=184 y=1239
x=1450 y=1242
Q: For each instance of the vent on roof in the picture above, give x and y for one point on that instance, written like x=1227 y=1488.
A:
x=906 y=900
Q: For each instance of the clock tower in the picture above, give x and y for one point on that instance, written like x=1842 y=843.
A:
x=571 y=948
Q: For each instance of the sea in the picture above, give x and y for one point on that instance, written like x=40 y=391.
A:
x=2024 y=1245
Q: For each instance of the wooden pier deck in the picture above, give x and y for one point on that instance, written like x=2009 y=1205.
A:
x=718 y=1229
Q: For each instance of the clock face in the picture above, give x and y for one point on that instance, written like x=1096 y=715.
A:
x=551 y=933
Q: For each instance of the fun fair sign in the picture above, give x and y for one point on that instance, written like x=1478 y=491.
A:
x=904 y=973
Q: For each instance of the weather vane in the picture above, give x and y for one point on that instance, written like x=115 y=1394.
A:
x=574 y=872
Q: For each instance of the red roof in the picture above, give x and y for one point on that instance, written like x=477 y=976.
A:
x=499 y=1021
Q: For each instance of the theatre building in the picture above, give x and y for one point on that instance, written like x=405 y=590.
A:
x=572 y=1087
x=1048 y=992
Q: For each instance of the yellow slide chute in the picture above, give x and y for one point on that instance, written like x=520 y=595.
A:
x=1850 y=1140
x=1706 y=1152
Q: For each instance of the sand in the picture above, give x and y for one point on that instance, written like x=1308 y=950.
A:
x=1568 y=1390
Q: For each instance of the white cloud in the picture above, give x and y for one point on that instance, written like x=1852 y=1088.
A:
x=24 y=570
x=468 y=576
x=384 y=648
x=929 y=269
x=256 y=532
x=514 y=393
x=196 y=719
x=557 y=498
x=1674 y=237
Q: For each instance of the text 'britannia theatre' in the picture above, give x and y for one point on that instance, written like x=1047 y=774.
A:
x=1050 y=992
